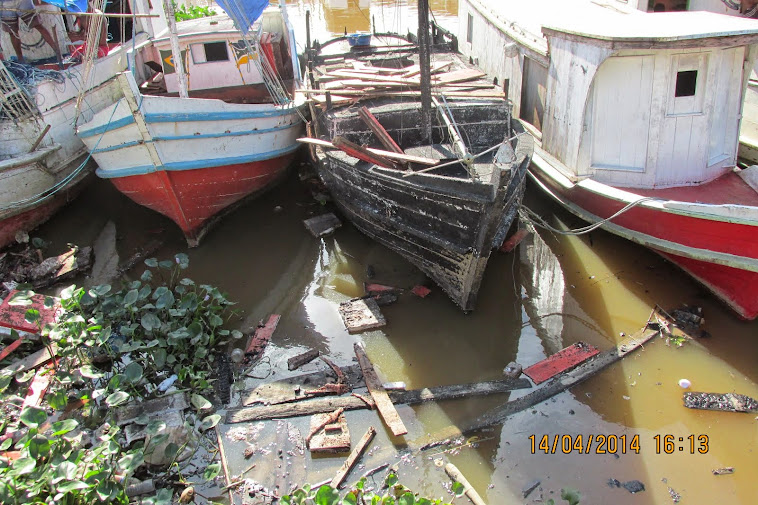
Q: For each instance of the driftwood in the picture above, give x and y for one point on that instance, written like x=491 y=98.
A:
x=353 y=458
x=380 y=396
x=724 y=402
x=296 y=362
x=456 y=475
x=322 y=405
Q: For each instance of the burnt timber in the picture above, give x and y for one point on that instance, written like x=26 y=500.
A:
x=444 y=219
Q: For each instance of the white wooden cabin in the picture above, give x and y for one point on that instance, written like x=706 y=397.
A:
x=215 y=56
x=629 y=98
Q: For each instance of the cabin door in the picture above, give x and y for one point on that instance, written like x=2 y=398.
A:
x=621 y=113
x=533 y=92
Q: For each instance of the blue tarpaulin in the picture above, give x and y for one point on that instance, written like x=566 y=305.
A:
x=243 y=12
x=69 y=5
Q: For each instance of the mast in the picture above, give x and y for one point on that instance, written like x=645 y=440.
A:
x=176 y=53
x=425 y=63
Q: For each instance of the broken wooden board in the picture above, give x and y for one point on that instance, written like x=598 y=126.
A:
x=37 y=388
x=379 y=130
x=7 y=350
x=32 y=361
x=559 y=383
x=14 y=316
x=62 y=267
x=353 y=458
x=164 y=404
x=469 y=490
x=262 y=335
x=301 y=359
x=387 y=154
x=514 y=240
x=293 y=388
x=724 y=402
x=414 y=396
x=334 y=99
x=361 y=315
x=383 y=403
x=334 y=437
x=421 y=291
x=462 y=75
x=323 y=225
x=559 y=362
x=362 y=153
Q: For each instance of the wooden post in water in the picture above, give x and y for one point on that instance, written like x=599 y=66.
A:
x=425 y=63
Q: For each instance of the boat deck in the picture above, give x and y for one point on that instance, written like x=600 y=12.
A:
x=727 y=189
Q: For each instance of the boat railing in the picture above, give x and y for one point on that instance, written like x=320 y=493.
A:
x=15 y=103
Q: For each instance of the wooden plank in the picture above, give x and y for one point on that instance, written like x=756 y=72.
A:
x=383 y=403
x=724 y=402
x=10 y=348
x=329 y=433
x=360 y=152
x=293 y=388
x=387 y=154
x=353 y=458
x=559 y=362
x=14 y=316
x=262 y=335
x=361 y=315
x=514 y=240
x=322 y=225
x=458 y=476
x=37 y=388
x=32 y=361
x=463 y=75
x=301 y=359
x=436 y=67
x=328 y=404
x=379 y=130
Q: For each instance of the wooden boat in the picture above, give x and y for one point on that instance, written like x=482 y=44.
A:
x=42 y=163
x=439 y=202
x=230 y=135
x=638 y=119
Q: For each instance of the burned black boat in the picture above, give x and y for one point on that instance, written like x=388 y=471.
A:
x=442 y=194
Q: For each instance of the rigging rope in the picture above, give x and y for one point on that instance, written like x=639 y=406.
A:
x=94 y=27
x=530 y=216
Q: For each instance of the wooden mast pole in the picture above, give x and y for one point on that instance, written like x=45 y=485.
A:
x=425 y=63
x=175 y=51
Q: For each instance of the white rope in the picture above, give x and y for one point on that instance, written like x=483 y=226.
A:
x=529 y=215
x=94 y=27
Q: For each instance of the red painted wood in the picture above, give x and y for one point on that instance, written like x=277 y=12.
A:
x=514 y=240
x=736 y=287
x=361 y=152
x=379 y=130
x=377 y=288
x=421 y=291
x=37 y=388
x=262 y=335
x=191 y=197
x=12 y=347
x=13 y=316
x=560 y=362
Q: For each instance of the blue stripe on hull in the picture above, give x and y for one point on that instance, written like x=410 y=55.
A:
x=182 y=117
x=193 y=137
x=195 y=164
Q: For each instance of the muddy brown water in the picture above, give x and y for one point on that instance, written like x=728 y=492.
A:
x=552 y=292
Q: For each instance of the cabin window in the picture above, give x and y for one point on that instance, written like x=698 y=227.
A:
x=209 y=51
x=686 y=83
x=470 y=29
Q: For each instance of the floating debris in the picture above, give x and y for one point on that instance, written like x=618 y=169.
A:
x=723 y=471
x=322 y=225
x=361 y=315
x=633 y=486
x=727 y=402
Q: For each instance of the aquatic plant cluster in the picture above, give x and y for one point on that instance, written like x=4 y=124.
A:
x=152 y=337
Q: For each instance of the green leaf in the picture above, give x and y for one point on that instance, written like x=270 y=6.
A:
x=22 y=466
x=68 y=292
x=236 y=334
x=131 y=297
x=23 y=377
x=388 y=500
x=182 y=260
x=171 y=450
x=90 y=372
x=32 y=316
x=350 y=499
x=5 y=381
x=57 y=400
x=23 y=297
x=146 y=276
x=5 y=445
x=66 y=470
x=158 y=439
x=129 y=463
x=116 y=398
x=458 y=489
x=102 y=289
x=166 y=300
x=391 y=480
x=187 y=282
x=33 y=417
x=326 y=495
x=215 y=320
x=155 y=426
x=166 y=264
x=71 y=485
x=571 y=495
x=159 y=358
x=151 y=262
x=407 y=499
x=211 y=471
x=199 y=402
x=209 y=422
x=150 y=321
x=65 y=426
x=133 y=372
x=195 y=329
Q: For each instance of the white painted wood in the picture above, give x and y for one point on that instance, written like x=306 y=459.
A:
x=621 y=113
